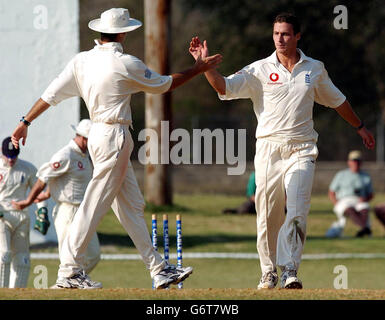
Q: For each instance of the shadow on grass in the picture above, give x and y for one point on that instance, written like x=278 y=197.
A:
x=344 y=238
x=321 y=211
x=44 y=245
x=188 y=241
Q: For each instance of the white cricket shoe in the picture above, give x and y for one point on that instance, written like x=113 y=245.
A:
x=171 y=275
x=289 y=280
x=78 y=281
x=268 y=280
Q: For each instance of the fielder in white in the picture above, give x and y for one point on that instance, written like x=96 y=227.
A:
x=283 y=88
x=105 y=78
x=67 y=175
x=16 y=176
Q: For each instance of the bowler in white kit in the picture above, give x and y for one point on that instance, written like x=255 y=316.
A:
x=105 y=78
x=283 y=88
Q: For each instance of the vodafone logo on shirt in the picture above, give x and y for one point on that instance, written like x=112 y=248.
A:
x=1 y=177
x=274 y=77
x=80 y=165
x=55 y=165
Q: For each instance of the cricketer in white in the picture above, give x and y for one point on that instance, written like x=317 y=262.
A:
x=283 y=88
x=16 y=177
x=67 y=175
x=106 y=78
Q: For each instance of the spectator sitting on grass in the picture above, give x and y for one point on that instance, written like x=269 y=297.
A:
x=350 y=192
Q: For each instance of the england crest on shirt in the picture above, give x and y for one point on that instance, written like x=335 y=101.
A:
x=307 y=78
x=147 y=74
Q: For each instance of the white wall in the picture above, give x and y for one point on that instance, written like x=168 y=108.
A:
x=38 y=38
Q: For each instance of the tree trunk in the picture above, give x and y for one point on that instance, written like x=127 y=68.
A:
x=157 y=185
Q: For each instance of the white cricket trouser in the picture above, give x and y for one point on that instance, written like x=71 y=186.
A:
x=284 y=173
x=113 y=185
x=63 y=215
x=14 y=249
x=349 y=202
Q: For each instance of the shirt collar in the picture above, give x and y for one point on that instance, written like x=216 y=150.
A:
x=74 y=146
x=273 y=57
x=5 y=163
x=108 y=46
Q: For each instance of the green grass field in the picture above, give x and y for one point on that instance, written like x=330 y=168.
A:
x=206 y=229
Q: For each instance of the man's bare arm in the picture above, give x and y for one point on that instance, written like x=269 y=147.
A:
x=35 y=191
x=346 y=112
x=200 y=50
x=44 y=195
x=332 y=197
x=21 y=130
x=201 y=66
x=216 y=80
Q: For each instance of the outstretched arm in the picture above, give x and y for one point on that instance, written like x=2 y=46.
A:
x=216 y=80
x=202 y=64
x=346 y=112
x=43 y=195
x=21 y=130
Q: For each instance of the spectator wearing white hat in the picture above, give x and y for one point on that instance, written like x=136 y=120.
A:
x=105 y=77
x=67 y=175
x=350 y=192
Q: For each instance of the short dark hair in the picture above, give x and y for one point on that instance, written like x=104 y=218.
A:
x=289 y=18
x=110 y=37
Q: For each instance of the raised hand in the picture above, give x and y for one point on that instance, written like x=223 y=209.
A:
x=207 y=63
x=203 y=63
x=197 y=49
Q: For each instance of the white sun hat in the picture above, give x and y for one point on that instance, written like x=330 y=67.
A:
x=115 y=20
x=83 y=128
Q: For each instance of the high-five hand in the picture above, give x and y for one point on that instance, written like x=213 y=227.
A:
x=198 y=49
x=204 y=64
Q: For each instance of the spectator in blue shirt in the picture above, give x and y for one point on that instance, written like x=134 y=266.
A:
x=350 y=192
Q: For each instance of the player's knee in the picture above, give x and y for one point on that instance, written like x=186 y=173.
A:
x=5 y=257
x=21 y=259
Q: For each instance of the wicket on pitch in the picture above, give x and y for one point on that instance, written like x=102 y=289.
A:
x=166 y=240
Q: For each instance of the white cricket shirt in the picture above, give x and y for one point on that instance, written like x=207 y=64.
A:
x=67 y=174
x=105 y=78
x=15 y=181
x=283 y=101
